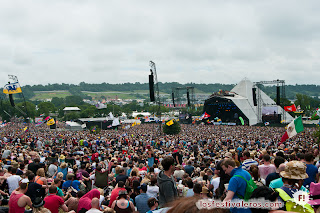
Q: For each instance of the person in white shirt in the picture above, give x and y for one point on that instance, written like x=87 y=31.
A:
x=179 y=172
x=13 y=180
x=94 y=206
x=153 y=189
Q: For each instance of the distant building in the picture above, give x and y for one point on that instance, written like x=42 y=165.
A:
x=71 y=109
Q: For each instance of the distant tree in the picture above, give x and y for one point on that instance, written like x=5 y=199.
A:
x=73 y=100
x=58 y=102
x=46 y=108
x=71 y=116
x=173 y=129
x=30 y=111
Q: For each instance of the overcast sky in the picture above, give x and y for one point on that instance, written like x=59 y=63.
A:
x=73 y=41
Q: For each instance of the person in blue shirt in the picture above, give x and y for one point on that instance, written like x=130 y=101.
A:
x=237 y=186
x=72 y=182
x=312 y=170
x=142 y=199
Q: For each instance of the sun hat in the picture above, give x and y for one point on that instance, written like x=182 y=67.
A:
x=295 y=170
x=38 y=202
x=228 y=155
x=204 y=190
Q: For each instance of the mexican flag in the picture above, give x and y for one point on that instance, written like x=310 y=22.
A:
x=293 y=128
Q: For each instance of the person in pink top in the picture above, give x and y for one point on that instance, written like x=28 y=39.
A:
x=266 y=168
x=18 y=200
x=85 y=200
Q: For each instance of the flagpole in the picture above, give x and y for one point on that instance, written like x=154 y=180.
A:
x=153 y=69
x=15 y=78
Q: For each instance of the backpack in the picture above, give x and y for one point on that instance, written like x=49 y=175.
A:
x=292 y=205
x=251 y=186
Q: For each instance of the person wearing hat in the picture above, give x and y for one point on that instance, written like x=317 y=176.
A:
x=122 y=203
x=142 y=199
x=37 y=206
x=293 y=176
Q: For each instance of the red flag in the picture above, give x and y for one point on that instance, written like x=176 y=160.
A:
x=47 y=118
x=291 y=108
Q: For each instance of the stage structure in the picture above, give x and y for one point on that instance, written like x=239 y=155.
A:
x=245 y=100
x=177 y=96
x=269 y=111
x=179 y=102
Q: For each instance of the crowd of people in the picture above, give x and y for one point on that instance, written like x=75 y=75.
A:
x=140 y=170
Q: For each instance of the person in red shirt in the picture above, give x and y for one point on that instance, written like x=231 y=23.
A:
x=115 y=192
x=53 y=202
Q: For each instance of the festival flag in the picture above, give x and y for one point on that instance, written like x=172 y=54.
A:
x=204 y=116
x=169 y=123
x=25 y=129
x=109 y=126
x=219 y=120
x=293 y=128
x=134 y=124
x=266 y=123
x=12 y=88
x=47 y=118
x=50 y=122
x=291 y=108
x=38 y=124
x=242 y=121
x=94 y=129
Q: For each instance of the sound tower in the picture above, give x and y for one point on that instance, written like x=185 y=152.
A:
x=174 y=105
x=254 y=96
x=188 y=98
x=11 y=100
x=278 y=95
x=151 y=88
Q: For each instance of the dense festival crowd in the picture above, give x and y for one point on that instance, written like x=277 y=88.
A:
x=140 y=170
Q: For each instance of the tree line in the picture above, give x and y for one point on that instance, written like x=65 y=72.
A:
x=77 y=90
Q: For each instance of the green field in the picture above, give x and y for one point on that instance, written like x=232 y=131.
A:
x=43 y=95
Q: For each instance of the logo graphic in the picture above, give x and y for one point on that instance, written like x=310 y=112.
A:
x=301 y=197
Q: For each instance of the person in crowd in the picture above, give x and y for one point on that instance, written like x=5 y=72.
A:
x=18 y=200
x=189 y=168
x=293 y=177
x=248 y=161
x=37 y=206
x=115 y=192
x=275 y=175
x=122 y=204
x=72 y=202
x=85 y=201
x=13 y=180
x=237 y=185
x=167 y=186
x=53 y=202
x=312 y=170
x=95 y=208
x=153 y=204
x=266 y=168
x=141 y=200
x=153 y=189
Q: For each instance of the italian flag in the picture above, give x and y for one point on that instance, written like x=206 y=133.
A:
x=293 y=128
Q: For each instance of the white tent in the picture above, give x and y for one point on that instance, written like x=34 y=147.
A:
x=71 y=125
x=243 y=99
